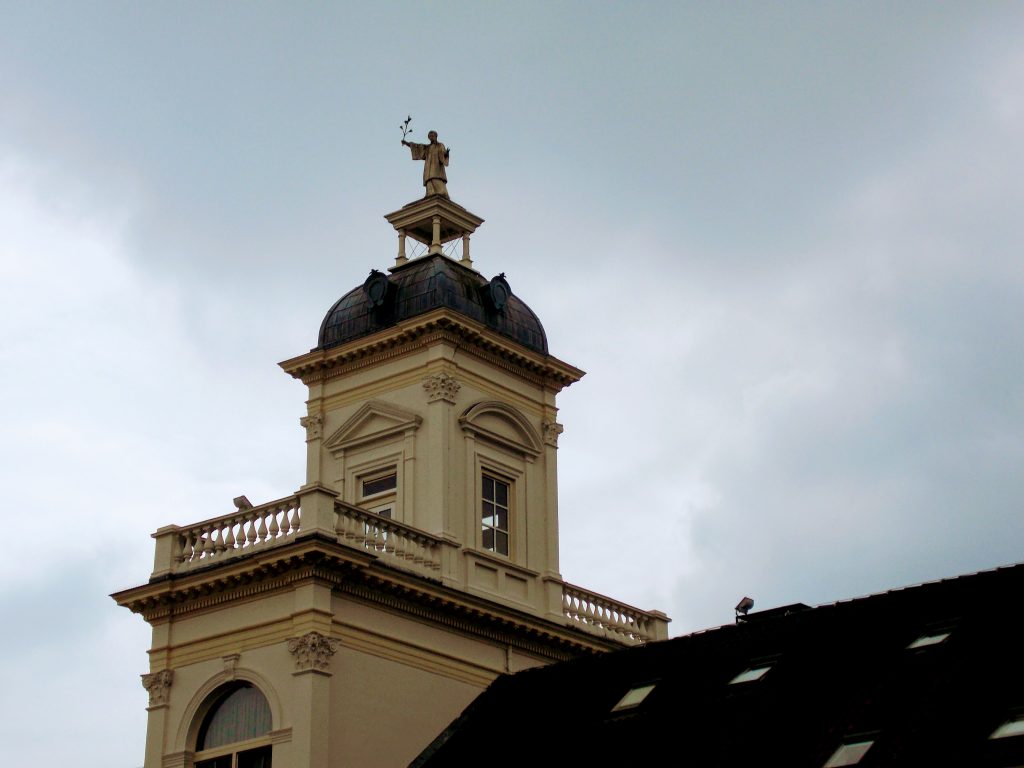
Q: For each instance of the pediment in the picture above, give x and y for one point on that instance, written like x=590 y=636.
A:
x=502 y=424
x=373 y=422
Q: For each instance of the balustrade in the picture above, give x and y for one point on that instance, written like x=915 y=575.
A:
x=249 y=530
x=242 y=531
x=403 y=543
x=601 y=614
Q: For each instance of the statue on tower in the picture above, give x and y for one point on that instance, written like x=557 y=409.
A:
x=435 y=157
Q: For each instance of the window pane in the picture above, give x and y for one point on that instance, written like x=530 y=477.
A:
x=254 y=758
x=488 y=514
x=380 y=484
x=242 y=714
x=488 y=488
x=750 y=675
x=633 y=697
x=501 y=518
x=218 y=762
x=501 y=493
x=1014 y=727
x=501 y=540
x=925 y=640
x=848 y=754
x=489 y=539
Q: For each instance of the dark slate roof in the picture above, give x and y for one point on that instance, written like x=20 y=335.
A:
x=422 y=285
x=839 y=673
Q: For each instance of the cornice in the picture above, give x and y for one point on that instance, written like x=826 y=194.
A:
x=361 y=575
x=440 y=325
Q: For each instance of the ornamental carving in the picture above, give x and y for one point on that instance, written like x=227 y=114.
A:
x=312 y=651
x=314 y=426
x=158 y=684
x=552 y=429
x=441 y=386
x=230 y=664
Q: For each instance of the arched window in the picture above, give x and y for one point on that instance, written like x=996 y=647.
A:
x=235 y=731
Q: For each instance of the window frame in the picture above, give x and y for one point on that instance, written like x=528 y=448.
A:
x=383 y=503
x=215 y=700
x=635 y=696
x=374 y=466
x=849 y=752
x=496 y=477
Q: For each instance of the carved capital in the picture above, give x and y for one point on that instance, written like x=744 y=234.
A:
x=314 y=426
x=552 y=429
x=158 y=684
x=441 y=386
x=312 y=651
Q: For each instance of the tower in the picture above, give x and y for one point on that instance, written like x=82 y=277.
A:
x=348 y=623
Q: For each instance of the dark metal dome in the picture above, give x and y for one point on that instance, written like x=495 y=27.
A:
x=423 y=285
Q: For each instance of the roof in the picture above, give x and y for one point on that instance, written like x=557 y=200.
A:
x=425 y=284
x=836 y=674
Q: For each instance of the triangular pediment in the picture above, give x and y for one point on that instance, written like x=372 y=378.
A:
x=503 y=425
x=374 y=421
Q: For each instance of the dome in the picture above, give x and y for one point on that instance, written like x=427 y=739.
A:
x=425 y=284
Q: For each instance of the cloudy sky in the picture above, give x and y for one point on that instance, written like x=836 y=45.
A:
x=780 y=238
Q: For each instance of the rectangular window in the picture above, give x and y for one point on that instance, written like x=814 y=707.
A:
x=850 y=753
x=382 y=484
x=751 y=675
x=494 y=514
x=924 y=641
x=1014 y=727
x=634 y=697
x=377 y=492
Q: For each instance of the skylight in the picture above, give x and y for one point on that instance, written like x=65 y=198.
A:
x=752 y=674
x=1014 y=727
x=634 y=697
x=849 y=754
x=925 y=640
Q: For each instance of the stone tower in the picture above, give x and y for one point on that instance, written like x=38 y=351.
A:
x=347 y=624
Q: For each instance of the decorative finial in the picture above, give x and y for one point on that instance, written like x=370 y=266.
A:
x=434 y=156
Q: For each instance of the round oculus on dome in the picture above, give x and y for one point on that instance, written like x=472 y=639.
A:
x=376 y=288
x=499 y=291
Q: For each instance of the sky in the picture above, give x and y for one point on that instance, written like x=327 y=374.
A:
x=783 y=240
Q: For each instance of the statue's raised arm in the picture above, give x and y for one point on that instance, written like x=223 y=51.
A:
x=435 y=158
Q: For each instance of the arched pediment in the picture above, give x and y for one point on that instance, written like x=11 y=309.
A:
x=374 y=421
x=502 y=424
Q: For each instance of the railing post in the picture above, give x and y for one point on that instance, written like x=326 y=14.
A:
x=554 y=596
x=168 y=550
x=450 y=560
x=316 y=514
x=659 y=625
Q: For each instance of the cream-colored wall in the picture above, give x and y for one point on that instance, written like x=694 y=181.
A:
x=384 y=714
x=394 y=682
x=439 y=460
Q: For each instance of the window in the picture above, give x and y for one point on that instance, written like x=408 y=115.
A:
x=751 y=675
x=378 y=492
x=494 y=514
x=234 y=733
x=926 y=640
x=1013 y=727
x=634 y=697
x=849 y=754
